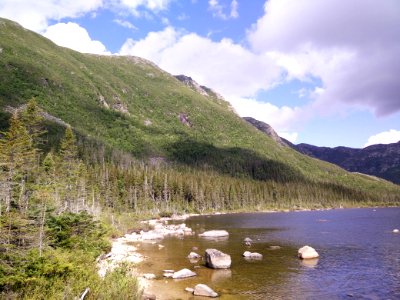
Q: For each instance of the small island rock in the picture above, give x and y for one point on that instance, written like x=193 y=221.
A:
x=216 y=259
x=307 y=252
x=204 y=290
x=252 y=255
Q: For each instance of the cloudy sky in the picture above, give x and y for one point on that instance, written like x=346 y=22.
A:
x=320 y=72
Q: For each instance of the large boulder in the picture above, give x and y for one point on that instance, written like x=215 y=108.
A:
x=216 y=259
x=184 y=273
x=214 y=234
x=307 y=252
x=204 y=290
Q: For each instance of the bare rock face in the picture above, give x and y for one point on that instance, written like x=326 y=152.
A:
x=267 y=129
x=307 y=252
x=184 y=273
x=204 y=290
x=216 y=259
x=184 y=118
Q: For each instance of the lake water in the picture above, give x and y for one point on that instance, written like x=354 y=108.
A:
x=359 y=256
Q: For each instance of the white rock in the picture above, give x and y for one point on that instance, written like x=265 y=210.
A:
x=216 y=259
x=252 y=255
x=307 y=252
x=193 y=255
x=396 y=231
x=204 y=290
x=247 y=253
x=247 y=240
x=214 y=233
x=149 y=276
x=184 y=273
x=190 y=290
x=168 y=275
x=151 y=235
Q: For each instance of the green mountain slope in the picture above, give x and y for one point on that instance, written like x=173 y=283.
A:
x=130 y=104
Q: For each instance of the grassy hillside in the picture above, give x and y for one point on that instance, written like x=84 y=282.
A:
x=130 y=104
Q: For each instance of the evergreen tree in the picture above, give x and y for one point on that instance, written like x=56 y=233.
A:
x=18 y=160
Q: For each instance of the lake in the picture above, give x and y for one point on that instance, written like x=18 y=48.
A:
x=359 y=256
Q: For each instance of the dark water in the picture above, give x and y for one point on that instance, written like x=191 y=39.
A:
x=359 y=256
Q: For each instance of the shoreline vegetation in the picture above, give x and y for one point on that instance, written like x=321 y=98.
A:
x=63 y=197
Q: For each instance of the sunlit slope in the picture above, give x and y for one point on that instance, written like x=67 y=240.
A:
x=132 y=105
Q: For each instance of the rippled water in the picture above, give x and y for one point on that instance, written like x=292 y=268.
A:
x=359 y=256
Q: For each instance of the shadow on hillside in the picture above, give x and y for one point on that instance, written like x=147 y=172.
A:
x=236 y=162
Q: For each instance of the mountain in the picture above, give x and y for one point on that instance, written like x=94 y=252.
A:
x=129 y=104
x=377 y=160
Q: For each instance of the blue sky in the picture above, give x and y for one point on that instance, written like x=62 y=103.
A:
x=320 y=72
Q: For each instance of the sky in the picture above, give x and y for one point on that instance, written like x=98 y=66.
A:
x=325 y=73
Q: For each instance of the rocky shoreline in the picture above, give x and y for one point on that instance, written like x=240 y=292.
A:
x=123 y=251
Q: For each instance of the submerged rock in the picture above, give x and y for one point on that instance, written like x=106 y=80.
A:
x=204 y=290
x=247 y=241
x=214 y=233
x=184 y=273
x=307 y=252
x=216 y=259
x=274 y=247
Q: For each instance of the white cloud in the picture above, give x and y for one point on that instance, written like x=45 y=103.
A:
x=229 y=68
x=134 y=6
x=282 y=119
x=217 y=9
x=35 y=15
x=290 y=136
x=386 y=137
x=73 y=36
x=352 y=46
x=125 y=23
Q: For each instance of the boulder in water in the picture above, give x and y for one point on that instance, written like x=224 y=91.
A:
x=216 y=259
x=214 y=234
x=307 y=252
x=204 y=290
x=184 y=273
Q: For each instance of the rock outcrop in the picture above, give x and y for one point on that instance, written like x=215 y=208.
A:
x=216 y=259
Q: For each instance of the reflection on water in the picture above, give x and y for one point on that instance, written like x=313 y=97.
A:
x=359 y=256
x=309 y=263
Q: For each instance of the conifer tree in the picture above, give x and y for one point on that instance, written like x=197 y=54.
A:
x=69 y=169
x=17 y=159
